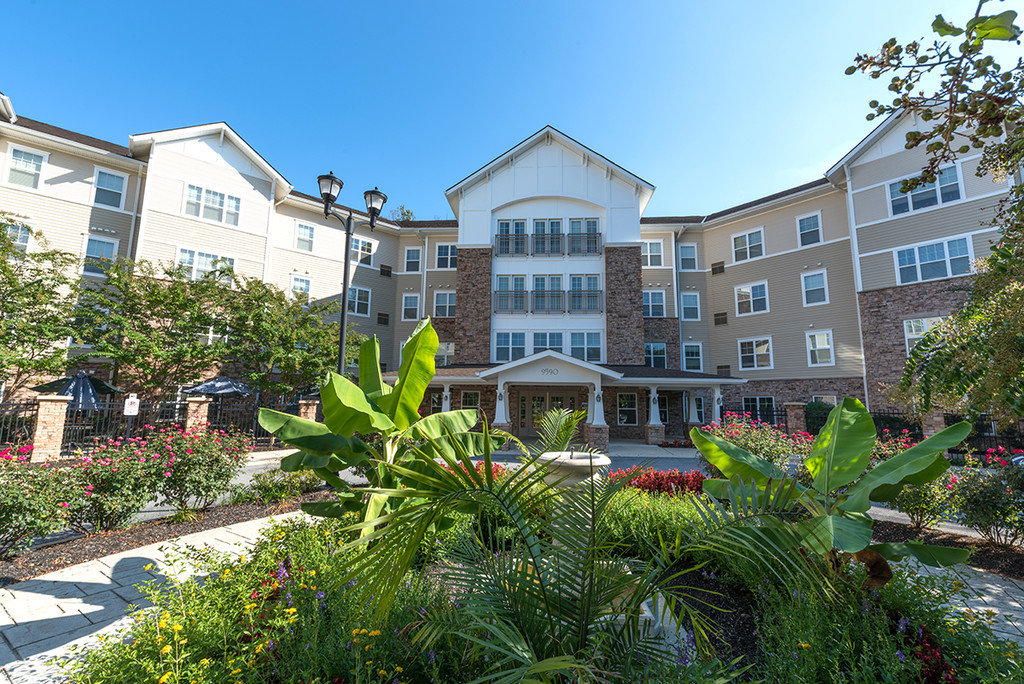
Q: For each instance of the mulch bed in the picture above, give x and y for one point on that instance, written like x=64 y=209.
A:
x=1004 y=560
x=35 y=562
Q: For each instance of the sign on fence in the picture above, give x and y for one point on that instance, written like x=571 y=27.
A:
x=131 y=405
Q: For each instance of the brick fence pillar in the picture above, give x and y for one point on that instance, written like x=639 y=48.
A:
x=198 y=412
x=933 y=423
x=796 y=421
x=307 y=408
x=596 y=437
x=48 y=438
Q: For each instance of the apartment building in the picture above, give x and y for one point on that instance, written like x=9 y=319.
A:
x=552 y=288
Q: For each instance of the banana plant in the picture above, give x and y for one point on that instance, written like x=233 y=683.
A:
x=837 y=524
x=373 y=426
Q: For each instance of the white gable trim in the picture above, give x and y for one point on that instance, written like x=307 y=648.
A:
x=545 y=355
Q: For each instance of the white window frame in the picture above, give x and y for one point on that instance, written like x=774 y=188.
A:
x=202 y=203
x=9 y=163
x=751 y=286
x=437 y=257
x=511 y=346
x=682 y=308
x=887 y=186
x=645 y=253
x=85 y=253
x=419 y=260
x=111 y=172
x=824 y=399
x=799 y=235
x=405 y=296
x=803 y=287
x=534 y=349
x=917 y=259
x=649 y=355
x=755 y=340
x=757 y=404
x=448 y=305
x=299 y=225
x=357 y=248
x=698 y=409
x=619 y=409
x=648 y=307
x=700 y=349
x=462 y=399
x=929 y=323
x=195 y=265
x=586 y=345
x=369 y=298
x=696 y=259
x=445 y=352
x=309 y=282
x=831 y=347
x=746 y=235
x=18 y=245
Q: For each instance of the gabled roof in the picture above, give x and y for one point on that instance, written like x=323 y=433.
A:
x=140 y=145
x=550 y=354
x=834 y=174
x=546 y=133
x=64 y=134
x=7 y=109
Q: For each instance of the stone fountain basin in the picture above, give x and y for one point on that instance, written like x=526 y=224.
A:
x=570 y=468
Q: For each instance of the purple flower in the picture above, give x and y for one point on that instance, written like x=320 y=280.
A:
x=899 y=654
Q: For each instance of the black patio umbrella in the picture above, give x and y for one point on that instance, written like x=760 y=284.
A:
x=221 y=387
x=82 y=387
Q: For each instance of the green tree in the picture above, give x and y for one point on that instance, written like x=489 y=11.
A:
x=401 y=213
x=974 y=361
x=37 y=303
x=153 y=324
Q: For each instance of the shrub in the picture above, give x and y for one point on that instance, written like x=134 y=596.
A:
x=29 y=501
x=788 y=451
x=635 y=520
x=889 y=444
x=105 y=489
x=276 y=485
x=925 y=504
x=199 y=464
x=991 y=501
x=664 y=481
x=815 y=415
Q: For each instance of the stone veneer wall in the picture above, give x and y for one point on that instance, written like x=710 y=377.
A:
x=624 y=322
x=472 y=323
x=793 y=390
x=488 y=398
x=611 y=413
x=664 y=330
x=882 y=314
x=446 y=329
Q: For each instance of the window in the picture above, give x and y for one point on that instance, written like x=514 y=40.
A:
x=815 y=288
x=436 y=402
x=110 y=189
x=663 y=409
x=933 y=261
x=687 y=257
x=809 y=228
x=585 y=346
x=692 y=357
x=824 y=399
x=690 y=306
x=410 y=307
x=510 y=346
x=915 y=328
x=19 y=236
x=359 y=301
x=26 y=167
x=724 y=371
x=718 y=268
x=761 y=408
x=547 y=340
x=412 y=259
x=748 y=245
x=385 y=270
x=99 y=252
x=444 y=304
x=722 y=318
x=304 y=237
x=300 y=287
x=447 y=256
x=362 y=251
x=752 y=298
x=383 y=318
x=627 y=409
x=698 y=405
x=650 y=253
x=470 y=399
x=819 y=348
x=654 y=303
x=201 y=263
x=655 y=354
x=212 y=206
x=946 y=189
x=547 y=237
x=756 y=353
x=445 y=353
x=584 y=293
x=511 y=237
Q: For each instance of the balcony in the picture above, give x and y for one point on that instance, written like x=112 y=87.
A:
x=548 y=245
x=547 y=301
x=511 y=245
x=586 y=301
x=583 y=244
x=510 y=301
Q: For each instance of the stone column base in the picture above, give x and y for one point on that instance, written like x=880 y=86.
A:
x=796 y=418
x=596 y=437
x=655 y=434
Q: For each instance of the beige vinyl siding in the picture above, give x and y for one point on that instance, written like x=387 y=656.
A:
x=903 y=163
x=974 y=185
x=922 y=226
x=878 y=271
x=696 y=331
x=659 y=279
x=870 y=205
x=166 y=233
x=788 y=320
x=982 y=243
x=434 y=240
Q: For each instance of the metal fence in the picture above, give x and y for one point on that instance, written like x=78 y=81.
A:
x=893 y=422
x=241 y=414
x=84 y=429
x=769 y=414
x=986 y=435
x=17 y=422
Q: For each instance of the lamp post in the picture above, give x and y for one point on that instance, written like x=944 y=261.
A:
x=330 y=188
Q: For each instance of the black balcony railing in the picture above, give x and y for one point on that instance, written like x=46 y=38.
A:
x=584 y=243
x=586 y=301
x=547 y=301
x=510 y=301
x=548 y=245
x=510 y=245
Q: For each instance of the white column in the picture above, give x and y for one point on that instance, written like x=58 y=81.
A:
x=718 y=404
x=590 y=405
x=597 y=407
x=653 y=415
x=500 y=407
x=446 y=398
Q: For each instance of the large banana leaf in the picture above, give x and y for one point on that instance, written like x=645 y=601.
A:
x=414 y=375
x=826 y=532
x=929 y=555
x=438 y=424
x=842 y=448
x=918 y=464
x=370 y=379
x=347 y=410
x=309 y=436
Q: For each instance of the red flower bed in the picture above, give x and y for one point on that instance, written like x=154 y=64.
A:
x=665 y=481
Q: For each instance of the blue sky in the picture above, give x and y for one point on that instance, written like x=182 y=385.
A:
x=713 y=103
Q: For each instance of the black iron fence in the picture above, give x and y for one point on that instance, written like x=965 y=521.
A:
x=241 y=414
x=986 y=435
x=768 y=414
x=17 y=422
x=84 y=429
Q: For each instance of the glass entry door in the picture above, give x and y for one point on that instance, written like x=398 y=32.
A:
x=532 y=407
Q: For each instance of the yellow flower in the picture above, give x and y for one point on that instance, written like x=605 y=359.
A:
x=290 y=611
x=355 y=632
x=167 y=675
x=234 y=672
x=375 y=633
x=259 y=647
x=367 y=647
x=177 y=628
x=159 y=639
x=398 y=669
x=165 y=649
x=312 y=573
x=369 y=662
x=249 y=606
x=382 y=673
x=804 y=644
x=161 y=625
x=148 y=567
x=204 y=661
x=362 y=631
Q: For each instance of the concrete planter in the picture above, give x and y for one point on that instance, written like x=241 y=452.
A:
x=572 y=468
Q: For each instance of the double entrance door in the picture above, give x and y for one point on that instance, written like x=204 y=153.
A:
x=533 y=404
